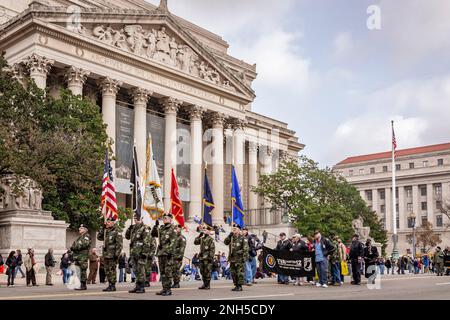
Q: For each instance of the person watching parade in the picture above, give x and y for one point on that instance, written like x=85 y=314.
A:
x=112 y=248
x=80 y=254
x=356 y=254
x=206 y=255
x=166 y=250
x=238 y=254
x=180 y=246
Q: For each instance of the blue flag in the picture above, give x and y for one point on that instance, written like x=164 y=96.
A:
x=208 y=203
x=238 y=208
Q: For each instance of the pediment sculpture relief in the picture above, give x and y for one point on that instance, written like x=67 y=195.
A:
x=30 y=197
x=159 y=45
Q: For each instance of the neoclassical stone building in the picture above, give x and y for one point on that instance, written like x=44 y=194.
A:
x=153 y=72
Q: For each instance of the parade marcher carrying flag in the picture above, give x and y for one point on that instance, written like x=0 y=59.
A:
x=108 y=200
x=135 y=184
x=175 y=202
x=153 y=204
x=238 y=208
x=208 y=202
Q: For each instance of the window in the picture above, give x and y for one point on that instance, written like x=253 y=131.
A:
x=440 y=162
x=397 y=222
x=438 y=204
x=425 y=163
x=350 y=173
x=369 y=195
x=398 y=167
x=383 y=208
x=396 y=208
x=385 y=169
x=383 y=223
x=411 y=165
x=423 y=191
x=382 y=194
x=411 y=222
x=409 y=207
x=396 y=193
x=424 y=220
x=439 y=221
x=361 y=172
x=424 y=205
x=408 y=192
x=372 y=170
x=438 y=190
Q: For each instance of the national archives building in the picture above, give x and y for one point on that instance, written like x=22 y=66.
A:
x=152 y=72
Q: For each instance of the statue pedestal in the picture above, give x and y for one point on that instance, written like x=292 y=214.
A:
x=23 y=229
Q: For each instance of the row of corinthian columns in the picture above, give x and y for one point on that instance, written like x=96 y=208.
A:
x=39 y=68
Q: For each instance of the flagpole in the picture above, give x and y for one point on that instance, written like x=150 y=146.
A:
x=395 y=253
x=203 y=197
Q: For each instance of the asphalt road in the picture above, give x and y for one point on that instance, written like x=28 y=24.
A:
x=391 y=287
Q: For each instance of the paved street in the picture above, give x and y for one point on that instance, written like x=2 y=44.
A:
x=420 y=287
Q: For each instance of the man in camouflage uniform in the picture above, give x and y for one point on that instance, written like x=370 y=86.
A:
x=140 y=244
x=180 y=246
x=238 y=254
x=206 y=255
x=80 y=253
x=112 y=248
x=439 y=261
x=166 y=250
x=148 y=266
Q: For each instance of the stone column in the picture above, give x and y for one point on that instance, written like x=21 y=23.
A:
x=253 y=181
x=375 y=206
x=218 y=166
x=388 y=209
x=170 y=106
x=109 y=88
x=402 y=208
x=238 y=149
x=416 y=202
x=266 y=168
x=39 y=68
x=195 y=205
x=445 y=200
x=76 y=78
x=430 y=204
x=140 y=99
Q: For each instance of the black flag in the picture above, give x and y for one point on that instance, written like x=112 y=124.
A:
x=135 y=184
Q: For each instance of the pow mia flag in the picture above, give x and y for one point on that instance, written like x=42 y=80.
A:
x=294 y=264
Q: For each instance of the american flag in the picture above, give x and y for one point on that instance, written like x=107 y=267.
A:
x=109 y=204
x=394 y=141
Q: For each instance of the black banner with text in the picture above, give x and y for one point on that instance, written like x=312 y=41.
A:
x=294 y=264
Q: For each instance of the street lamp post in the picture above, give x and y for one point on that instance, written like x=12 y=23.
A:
x=413 y=225
x=285 y=217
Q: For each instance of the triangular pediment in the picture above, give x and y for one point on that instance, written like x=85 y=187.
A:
x=158 y=37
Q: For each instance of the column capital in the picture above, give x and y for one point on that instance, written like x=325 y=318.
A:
x=141 y=95
x=284 y=155
x=76 y=75
x=218 y=119
x=252 y=147
x=238 y=124
x=170 y=105
x=109 y=86
x=38 y=64
x=196 y=112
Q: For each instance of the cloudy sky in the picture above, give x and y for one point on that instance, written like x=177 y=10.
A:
x=337 y=83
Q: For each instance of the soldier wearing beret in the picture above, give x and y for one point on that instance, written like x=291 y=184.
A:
x=165 y=252
x=238 y=254
x=80 y=253
x=112 y=248
x=180 y=246
x=206 y=255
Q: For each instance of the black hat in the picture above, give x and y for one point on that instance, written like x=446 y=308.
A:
x=356 y=235
x=282 y=234
x=245 y=228
x=168 y=215
x=209 y=228
x=237 y=226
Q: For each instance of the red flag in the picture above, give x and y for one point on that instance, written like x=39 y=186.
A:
x=176 y=205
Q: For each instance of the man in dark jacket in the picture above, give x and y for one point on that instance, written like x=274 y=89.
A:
x=356 y=254
x=323 y=247
x=370 y=258
x=49 y=265
x=283 y=245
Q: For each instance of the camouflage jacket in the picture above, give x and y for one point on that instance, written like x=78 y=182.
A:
x=113 y=242
x=149 y=245
x=438 y=257
x=180 y=246
x=80 y=247
x=207 y=247
x=167 y=239
x=335 y=255
x=136 y=233
x=238 y=246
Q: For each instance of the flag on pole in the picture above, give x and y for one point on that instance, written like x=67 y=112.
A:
x=176 y=204
x=108 y=200
x=208 y=203
x=135 y=184
x=238 y=208
x=153 y=203
x=394 y=141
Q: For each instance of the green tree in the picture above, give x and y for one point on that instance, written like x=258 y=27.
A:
x=59 y=143
x=317 y=199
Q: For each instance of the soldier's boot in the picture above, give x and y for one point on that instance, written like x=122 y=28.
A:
x=160 y=293
x=237 y=288
x=135 y=288
x=147 y=284
x=141 y=288
x=176 y=285
x=82 y=286
x=167 y=293
x=207 y=285
x=203 y=286
x=107 y=289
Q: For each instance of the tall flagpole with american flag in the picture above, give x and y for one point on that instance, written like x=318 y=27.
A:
x=394 y=196
x=108 y=200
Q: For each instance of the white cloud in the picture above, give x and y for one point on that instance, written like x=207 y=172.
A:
x=343 y=44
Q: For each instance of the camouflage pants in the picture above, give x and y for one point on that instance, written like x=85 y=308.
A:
x=237 y=272
x=177 y=264
x=111 y=270
x=439 y=268
x=139 y=268
x=148 y=268
x=166 y=266
x=83 y=265
x=205 y=270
